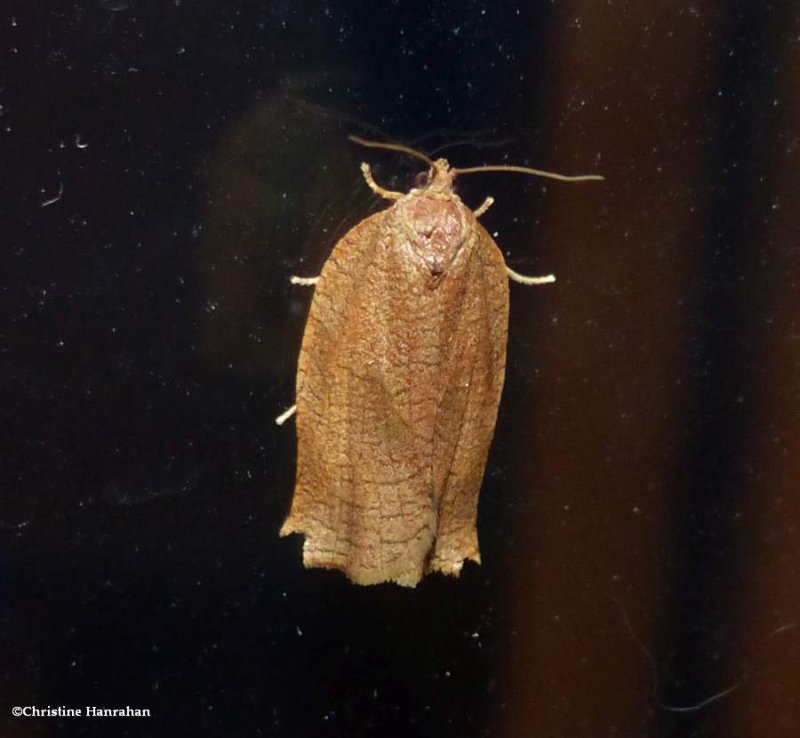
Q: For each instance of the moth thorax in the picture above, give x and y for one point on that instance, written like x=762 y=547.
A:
x=436 y=230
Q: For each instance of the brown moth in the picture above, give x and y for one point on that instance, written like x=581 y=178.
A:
x=398 y=383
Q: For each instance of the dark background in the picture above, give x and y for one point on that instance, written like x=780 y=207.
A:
x=639 y=518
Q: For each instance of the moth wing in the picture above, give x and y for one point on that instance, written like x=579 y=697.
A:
x=361 y=497
x=468 y=409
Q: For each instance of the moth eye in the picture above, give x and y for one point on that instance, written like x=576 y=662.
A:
x=422 y=180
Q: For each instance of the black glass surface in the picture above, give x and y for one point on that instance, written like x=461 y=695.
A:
x=167 y=166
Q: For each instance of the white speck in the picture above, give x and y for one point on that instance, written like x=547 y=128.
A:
x=52 y=200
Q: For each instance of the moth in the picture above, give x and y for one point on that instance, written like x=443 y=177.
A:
x=398 y=383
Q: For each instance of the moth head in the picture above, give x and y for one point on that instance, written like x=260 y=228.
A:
x=438 y=178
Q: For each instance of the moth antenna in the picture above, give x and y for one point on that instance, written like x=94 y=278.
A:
x=535 y=172
x=391 y=147
x=475 y=142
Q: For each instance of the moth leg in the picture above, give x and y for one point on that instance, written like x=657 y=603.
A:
x=522 y=279
x=487 y=203
x=283 y=417
x=304 y=281
x=376 y=188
